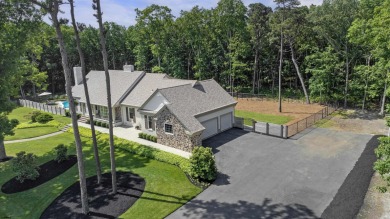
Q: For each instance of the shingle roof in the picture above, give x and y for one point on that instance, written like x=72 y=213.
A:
x=186 y=102
x=148 y=85
x=120 y=82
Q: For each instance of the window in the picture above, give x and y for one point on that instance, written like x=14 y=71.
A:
x=149 y=123
x=168 y=128
x=127 y=114
x=132 y=113
x=104 y=112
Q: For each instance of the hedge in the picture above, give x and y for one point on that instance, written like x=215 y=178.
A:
x=138 y=149
x=147 y=137
x=52 y=123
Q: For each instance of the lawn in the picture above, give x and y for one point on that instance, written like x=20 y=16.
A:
x=167 y=187
x=262 y=117
x=21 y=114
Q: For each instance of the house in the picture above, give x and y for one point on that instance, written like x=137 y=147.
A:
x=181 y=113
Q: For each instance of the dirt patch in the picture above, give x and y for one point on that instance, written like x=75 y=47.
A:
x=297 y=111
x=356 y=122
x=102 y=203
x=47 y=171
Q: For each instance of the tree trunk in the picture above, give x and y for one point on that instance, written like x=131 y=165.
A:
x=382 y=112
x=280 y=70
x=109 y=105
x=82 y=61
x=346 y=76
x=68 y=78
x=255 y=71
x=299 y=74
x=3 y=155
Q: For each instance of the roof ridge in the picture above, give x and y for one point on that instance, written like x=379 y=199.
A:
x=175 y=86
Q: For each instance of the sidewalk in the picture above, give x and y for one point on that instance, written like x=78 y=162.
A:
x=131 y=134
x=32 y=139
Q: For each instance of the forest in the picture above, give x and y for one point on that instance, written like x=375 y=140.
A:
x=337 y=52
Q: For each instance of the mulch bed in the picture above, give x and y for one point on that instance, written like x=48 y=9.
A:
x=5 y=159
x=47 y=172
x=350 y=196
x=102 y=203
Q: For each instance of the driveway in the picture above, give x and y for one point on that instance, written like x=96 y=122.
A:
x=268 y=177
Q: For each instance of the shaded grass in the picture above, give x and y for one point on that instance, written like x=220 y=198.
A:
x=21 y=114
x=167 y=187
x=31 y=133
x=262 y=117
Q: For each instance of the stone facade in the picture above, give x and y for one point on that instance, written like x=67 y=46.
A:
x=179 y=139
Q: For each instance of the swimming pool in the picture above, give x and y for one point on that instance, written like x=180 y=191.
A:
x=65 y=104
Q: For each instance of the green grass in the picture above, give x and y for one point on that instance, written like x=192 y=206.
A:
x=167 y=187
x=30 y=133
x=262 y=117
x=21 y=113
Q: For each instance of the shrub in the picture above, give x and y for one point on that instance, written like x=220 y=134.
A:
x=44 y=118
x=14 y=122
x=78 y=116
x=95 y=122
x=67 y=113
x=140 y=135
x=88 y=121
x=34 y=115
x=25 y=167
x=61 y=153
x=98 y=123
x=202 y=165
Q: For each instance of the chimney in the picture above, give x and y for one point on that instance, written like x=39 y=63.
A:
x=129 y=68
x=78 y=75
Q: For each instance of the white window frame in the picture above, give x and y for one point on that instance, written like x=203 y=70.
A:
x=165 y=130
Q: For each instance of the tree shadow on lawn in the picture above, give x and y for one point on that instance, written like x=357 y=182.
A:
x=243 y=209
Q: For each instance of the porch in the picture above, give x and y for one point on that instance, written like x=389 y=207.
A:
x=131 y=134
x=100 y=113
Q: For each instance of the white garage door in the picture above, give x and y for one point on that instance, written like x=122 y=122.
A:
x=211 y=128
x=226 y=121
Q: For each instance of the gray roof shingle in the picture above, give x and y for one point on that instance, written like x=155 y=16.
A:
x=120 y=82
x=148 y=85
x=187 y=101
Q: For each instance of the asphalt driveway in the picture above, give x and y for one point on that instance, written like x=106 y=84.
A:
x=268 y=177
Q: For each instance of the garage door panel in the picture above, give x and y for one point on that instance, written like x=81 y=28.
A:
x=211 y=128
x=226 y=121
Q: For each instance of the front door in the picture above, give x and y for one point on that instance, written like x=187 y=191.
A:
x=130 y=115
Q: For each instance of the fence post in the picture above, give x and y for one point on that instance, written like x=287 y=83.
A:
x=254 y=125
x=306 y=122
x=281 y=131
x=267 y=128
x=286 y=131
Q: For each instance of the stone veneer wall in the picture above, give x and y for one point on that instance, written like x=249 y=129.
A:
x=179 y=139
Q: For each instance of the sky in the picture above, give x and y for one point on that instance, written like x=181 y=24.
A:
x=122 y=11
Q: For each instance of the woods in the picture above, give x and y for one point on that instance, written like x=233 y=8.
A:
x=333 y=52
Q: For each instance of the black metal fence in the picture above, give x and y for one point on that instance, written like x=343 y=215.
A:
x=41 y=106
x=263 y=97
x=307 y=122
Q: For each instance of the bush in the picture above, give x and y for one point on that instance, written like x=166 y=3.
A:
x=95 y=122
x=147 y=137
x=44 y=118
x=88 y=121
x=61 y=153
x=98 y=123
x=14 y=122
x=202 y=165
x=140 y=135
x=67 y=113
x=34 y=115
x=25 y=167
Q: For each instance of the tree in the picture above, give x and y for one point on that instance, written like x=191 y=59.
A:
x=6 y=128
x=82 y=61
x=258 y=24
x=52 y=8
x=98 y=15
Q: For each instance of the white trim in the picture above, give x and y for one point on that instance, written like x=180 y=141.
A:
x=168 y=133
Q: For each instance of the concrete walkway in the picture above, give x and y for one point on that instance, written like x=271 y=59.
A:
x=131 y=134
x=32 y=139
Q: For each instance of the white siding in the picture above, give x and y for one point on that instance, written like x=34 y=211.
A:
x=156 y=102
x=222 y=119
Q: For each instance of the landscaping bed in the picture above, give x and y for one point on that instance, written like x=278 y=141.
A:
x=47 y=171
x=102 y=203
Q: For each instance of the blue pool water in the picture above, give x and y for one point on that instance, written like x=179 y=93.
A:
x=66 y=104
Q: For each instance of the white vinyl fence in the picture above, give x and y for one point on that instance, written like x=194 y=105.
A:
x=44 y=107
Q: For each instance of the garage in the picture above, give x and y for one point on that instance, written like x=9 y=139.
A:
x=211 y=128
x=226 y=121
